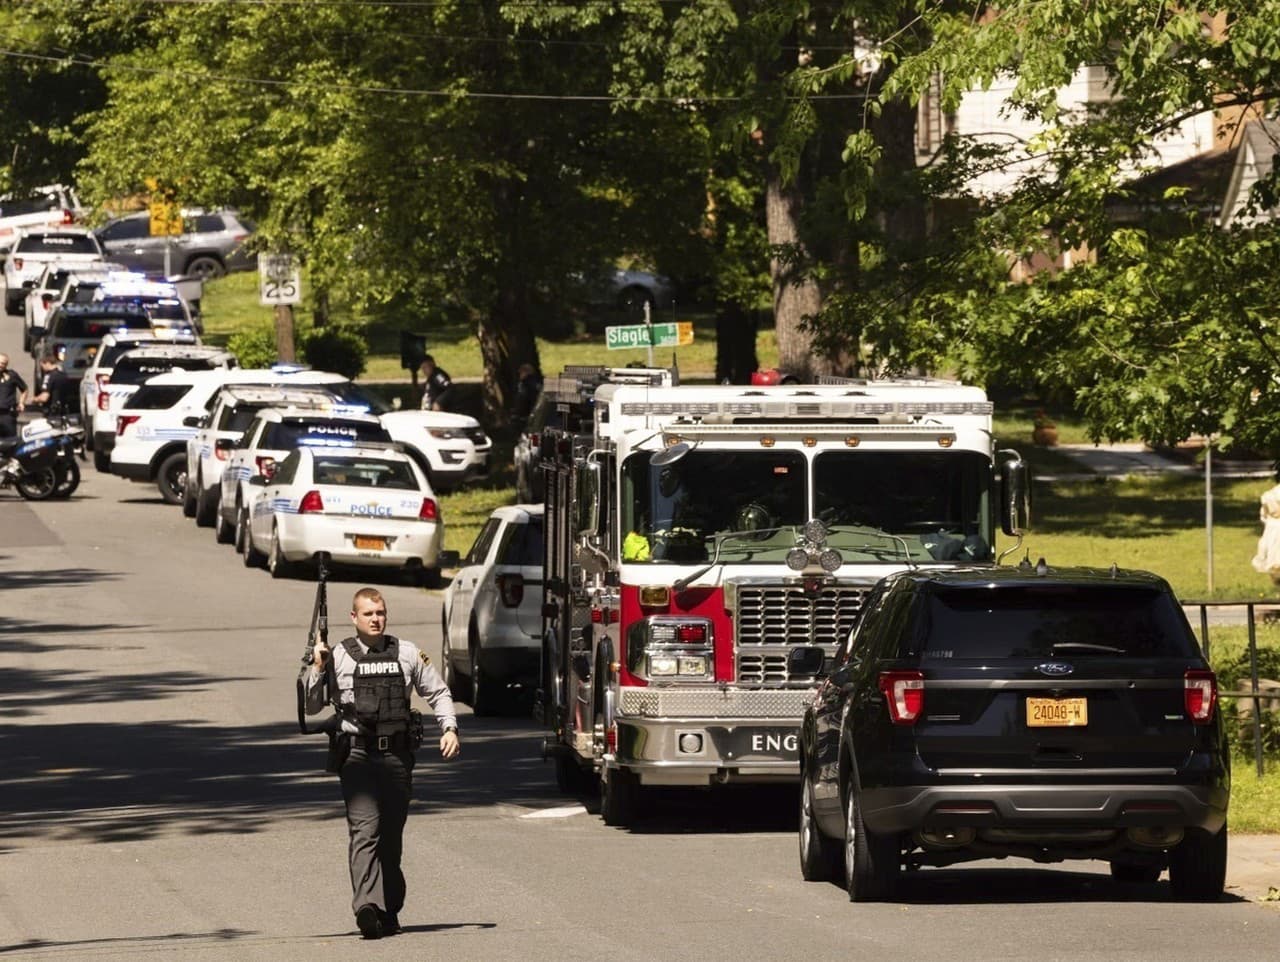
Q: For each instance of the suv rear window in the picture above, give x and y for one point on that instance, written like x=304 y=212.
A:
x=523 y=544
x=58 y=244
x=1048 y=621
x=238 y=417
x=156 y=397
x=283 y=435
x=135 y=370
x=95 y=323
x=30 y=205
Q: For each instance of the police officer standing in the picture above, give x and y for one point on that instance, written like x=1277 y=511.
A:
x=54 y=387
x=438 y=385
x=373 y=673
x=13 y=398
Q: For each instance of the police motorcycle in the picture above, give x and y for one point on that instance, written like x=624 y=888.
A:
x=41 y=462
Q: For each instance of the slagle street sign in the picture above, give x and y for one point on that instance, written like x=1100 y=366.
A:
x=668 y=334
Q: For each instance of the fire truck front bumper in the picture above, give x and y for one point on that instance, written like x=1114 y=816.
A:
x=709 y=736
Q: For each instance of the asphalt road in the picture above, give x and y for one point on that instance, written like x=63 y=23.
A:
x=156 y=800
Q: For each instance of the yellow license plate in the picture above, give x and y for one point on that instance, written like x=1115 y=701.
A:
x=1057 y=712
x=366 y=543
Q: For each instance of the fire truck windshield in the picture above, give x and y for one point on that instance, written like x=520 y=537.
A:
x=877 y=505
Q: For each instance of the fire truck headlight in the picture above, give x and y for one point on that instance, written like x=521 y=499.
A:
x=797 y=559
x=663 y=666
x=692 y=665
x=671 y=648
x=830 y=559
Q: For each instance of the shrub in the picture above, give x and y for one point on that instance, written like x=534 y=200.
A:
x=254 y=345
x=1233 y=675
x=336 y=349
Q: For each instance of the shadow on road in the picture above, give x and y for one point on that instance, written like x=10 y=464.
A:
x=50 y=578
x=1025 y=886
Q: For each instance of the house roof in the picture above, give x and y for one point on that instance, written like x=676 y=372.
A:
x=1253 y=160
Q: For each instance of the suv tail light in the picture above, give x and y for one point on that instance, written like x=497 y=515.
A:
x=68 y=217
x=428 y=511
x=266 y=466
x=46 y=300
x=1200 y=692
x=311 y=503
x=511 y=589
x=17 y=263
x=104 y=399
x=123 y=421
x=904 y=691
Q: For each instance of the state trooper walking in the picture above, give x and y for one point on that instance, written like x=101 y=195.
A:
x=373 y=674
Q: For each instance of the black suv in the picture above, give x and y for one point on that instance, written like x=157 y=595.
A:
x=1046 y=713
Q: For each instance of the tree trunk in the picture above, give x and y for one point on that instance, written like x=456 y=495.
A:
x=795 y=297
x=506 y=342
x=285 y=349
x=735 y=344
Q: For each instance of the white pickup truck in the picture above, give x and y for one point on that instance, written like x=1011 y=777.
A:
x=33 y=249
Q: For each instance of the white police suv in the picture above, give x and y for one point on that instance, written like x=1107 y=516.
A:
x=367 y=505
x=120 y=379
x=492 y=611
x=152 y=428
x=453 y=448
x=316 y=420
x=231 y=410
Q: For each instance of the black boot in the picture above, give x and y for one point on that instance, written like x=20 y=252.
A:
x=369 y=921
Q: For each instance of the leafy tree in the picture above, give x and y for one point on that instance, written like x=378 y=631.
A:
x=1169 y=333
x=423 y=162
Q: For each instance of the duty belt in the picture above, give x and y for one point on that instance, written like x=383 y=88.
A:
x=382 y=743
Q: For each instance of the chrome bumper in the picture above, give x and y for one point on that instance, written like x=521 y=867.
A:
x=703 y=736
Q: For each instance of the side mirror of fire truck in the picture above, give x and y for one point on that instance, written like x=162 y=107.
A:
x=588 y=484
x=1015 y=495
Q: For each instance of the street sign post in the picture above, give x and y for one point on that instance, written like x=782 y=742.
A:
x=625 y=337
x=279 y=280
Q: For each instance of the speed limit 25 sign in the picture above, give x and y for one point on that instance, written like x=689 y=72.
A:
x=279 y=279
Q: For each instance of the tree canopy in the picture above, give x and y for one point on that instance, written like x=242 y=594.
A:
x=470 y=157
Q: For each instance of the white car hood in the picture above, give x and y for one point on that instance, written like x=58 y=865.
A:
x=427 y=419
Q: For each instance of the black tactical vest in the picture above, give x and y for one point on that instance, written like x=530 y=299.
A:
x=380 y=703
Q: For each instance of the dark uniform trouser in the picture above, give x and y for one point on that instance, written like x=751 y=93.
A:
x=376 y=788
x=8 y=423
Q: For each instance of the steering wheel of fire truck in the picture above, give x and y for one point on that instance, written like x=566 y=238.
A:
x=928 y=527
x=678 y=544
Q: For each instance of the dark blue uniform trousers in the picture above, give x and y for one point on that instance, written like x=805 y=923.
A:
x=376 y=787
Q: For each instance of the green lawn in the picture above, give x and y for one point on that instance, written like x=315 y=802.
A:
x=231 y=303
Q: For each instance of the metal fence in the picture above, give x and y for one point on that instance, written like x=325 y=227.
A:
x=1253 y=693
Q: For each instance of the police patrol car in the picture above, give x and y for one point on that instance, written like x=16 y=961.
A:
x=274 y=432
x=231 y=410
x=362 y=505
x=153 y=426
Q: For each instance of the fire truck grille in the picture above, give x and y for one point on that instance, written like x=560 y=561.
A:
x=713 y=703
x=773 y=619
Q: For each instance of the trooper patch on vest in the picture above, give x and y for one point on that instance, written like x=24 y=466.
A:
x=378 y=688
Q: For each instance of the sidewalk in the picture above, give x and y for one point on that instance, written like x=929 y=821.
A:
x=1135 y=458
x=1253 y=867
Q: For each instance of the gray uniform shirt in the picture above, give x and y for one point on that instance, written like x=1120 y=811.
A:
x=416 y=667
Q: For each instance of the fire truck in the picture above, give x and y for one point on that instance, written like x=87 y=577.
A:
x=695 y=535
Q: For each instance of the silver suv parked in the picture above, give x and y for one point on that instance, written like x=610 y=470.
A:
x=210 y=245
